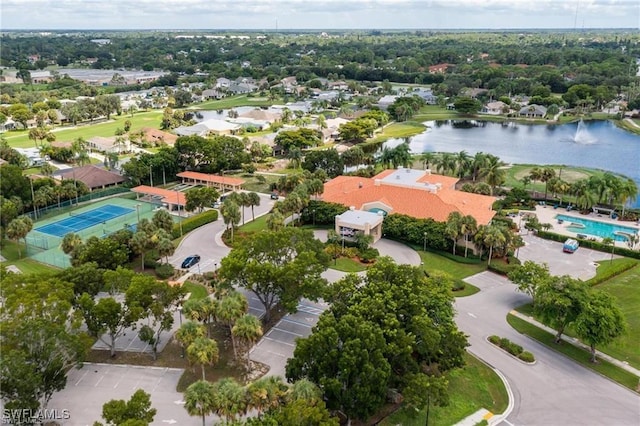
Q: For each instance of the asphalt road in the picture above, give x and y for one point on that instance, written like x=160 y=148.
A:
x=554 y=391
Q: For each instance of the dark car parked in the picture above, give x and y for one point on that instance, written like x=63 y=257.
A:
x=190 y=261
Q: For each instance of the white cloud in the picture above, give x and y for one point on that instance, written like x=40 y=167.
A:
x=229 y=14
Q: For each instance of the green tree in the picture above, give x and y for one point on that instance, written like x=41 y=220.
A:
x=247 y=329
x=230 y=399
x=453 y=228
x=203 y=351
x=108 y=319
x=41 y=339
x=136 y=411
x=229 y=309
x=254 y=201
x=468 y=227
x=140 y=243
x=199 y=399
x=275 y=221
x=188 y=332
x=18 y=229
x=529 y=277
x=466 y=105
x=230 y=215
x=278 y=267
x=162 y=220
x=600 y=321
x=559 y=301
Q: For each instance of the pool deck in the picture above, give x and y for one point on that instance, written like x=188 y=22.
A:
x=547 y=214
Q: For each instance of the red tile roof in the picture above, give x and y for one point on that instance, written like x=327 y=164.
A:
x=206 y=177
x=170 y=197
x=416 y=202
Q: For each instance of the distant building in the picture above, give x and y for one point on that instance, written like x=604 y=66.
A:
x=92 y=176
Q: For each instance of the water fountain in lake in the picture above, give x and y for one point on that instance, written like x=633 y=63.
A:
x=582 y=135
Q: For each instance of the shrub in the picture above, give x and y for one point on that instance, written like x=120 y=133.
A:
x=150 y=262
x=526 y=356
x=369 y=255
x=495 y=340
x=458 y=285
x=194 y=222
x=164 y=271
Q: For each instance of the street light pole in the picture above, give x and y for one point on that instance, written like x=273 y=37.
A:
x=424 y=248
x=180 y=312
x=138 y=211
x=314 y=216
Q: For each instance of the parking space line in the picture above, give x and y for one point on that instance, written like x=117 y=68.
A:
x=296 y=322
x=279 y=341
x=288 y=332
x=99 y=380
x=81 y=378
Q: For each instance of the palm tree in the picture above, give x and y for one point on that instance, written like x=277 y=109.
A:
x=230 y=308
x=468 y=227
x=493 y=236
x=493 y=172
x=165 y=248
x=199 y=399
x=203 y=351
x=304 y=389
x=628 y=193
x=463 y=163
x=547 y=174
x=230 y=399
x=427 y=159
x=69 y=242
x=248 y=330
x=230 y=215
x=275 y=221
x=295 y=157
x=254 y=200
x=266 y=393
x=526 y=180
x=19 y=228
x=188 y=332
x=453 y=228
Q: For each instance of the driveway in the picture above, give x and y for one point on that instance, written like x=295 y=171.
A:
x=580 y=264
x=554 y=391
x=206 y=240
x=94 y=384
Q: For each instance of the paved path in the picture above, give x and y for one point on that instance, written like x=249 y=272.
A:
x=554 y=391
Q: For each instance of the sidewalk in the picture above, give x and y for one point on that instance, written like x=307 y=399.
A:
x=579 y=344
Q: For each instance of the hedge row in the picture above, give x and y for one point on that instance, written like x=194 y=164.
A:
x=503 y=268
x=612 y=271
x=514 y=349
x=595 y=245
x=194 y=222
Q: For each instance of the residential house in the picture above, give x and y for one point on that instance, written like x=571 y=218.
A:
x=212 y=94
x=242 y=88
x=107 y=144
x=426 y=95
x=93 y=176
x=495 y=108
x=158 y=137
x=222 y=83
x=533 y=111
x=439 y=68
x=386 y=101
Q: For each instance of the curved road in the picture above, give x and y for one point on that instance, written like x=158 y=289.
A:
x=554 y=391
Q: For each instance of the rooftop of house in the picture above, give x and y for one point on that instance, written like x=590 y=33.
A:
x=360 y=217
x=416 y=193
x=92 y=176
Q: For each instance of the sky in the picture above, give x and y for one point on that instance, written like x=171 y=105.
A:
x=318 y=14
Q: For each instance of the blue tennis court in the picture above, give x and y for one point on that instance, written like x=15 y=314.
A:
x=76 y=222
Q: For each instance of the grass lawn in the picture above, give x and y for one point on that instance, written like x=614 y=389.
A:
x=235 y=101
x=20 y=139
x=399 y=130
x=9 y=251
x=570 y=174
x=471 y=388
x=579 y=355
x=256 y=182
x=435 y=262
x=345 y=264
x=625 y=288
x=198 y=291
x=255 y=225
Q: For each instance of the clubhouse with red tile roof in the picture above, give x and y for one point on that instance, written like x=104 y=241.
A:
x=416 y=193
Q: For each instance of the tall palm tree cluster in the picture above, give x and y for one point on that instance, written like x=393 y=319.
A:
x=497 y=239
x=274 y=401
x=606 y=189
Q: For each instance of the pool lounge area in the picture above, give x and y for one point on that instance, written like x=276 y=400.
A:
x=592 y=228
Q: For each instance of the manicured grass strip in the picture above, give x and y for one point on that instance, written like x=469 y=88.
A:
x=434 y=262
x=468 y=290
x=399 y=130
x=579 y=355
x=471 y=388
x=198 y=291
x=255 y=225
x=346 y=265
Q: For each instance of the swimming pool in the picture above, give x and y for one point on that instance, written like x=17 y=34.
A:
x=597 y=229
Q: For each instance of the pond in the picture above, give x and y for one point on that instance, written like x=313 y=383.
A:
x=594 y=144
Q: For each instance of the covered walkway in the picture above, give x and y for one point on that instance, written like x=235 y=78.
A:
x=173 y=200
x=222 y=183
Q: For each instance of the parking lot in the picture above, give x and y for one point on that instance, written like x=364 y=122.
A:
x=580 y=264
x=94 y=384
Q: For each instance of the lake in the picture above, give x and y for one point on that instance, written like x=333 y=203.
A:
x=594 y=144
